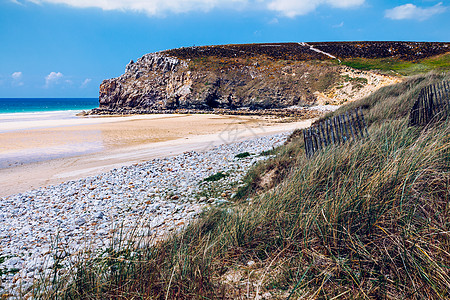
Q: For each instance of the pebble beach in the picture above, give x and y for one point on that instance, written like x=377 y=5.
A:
x=152 y=198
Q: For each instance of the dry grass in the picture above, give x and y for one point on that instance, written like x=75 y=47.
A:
x=367 y=220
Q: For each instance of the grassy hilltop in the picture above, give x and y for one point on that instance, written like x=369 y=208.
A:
x=366 y=220
x=404 y=58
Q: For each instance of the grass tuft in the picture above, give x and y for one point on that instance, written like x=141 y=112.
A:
x=216 y=177
x=243 y=155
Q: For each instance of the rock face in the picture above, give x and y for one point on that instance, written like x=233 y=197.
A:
x=254 y=76
x=154 y=81
x=158 y=81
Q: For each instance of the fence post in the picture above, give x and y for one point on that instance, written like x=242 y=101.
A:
x=305 y=142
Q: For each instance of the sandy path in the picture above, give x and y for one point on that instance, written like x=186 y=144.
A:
x=120 y=141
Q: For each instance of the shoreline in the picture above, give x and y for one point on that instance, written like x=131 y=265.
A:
x=124 y=141
x=292 y=111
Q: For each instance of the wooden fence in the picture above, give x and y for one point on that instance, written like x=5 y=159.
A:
x=432 y=104
x=337 y=130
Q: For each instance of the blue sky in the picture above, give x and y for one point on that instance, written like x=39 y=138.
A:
x=65 y=48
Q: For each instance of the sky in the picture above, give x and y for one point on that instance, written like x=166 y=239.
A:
x=65 y=48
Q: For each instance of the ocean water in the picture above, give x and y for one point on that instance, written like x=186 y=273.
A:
x=21 y=117
x=27 y=105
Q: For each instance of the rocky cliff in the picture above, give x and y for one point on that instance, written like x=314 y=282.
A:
x=254 y=76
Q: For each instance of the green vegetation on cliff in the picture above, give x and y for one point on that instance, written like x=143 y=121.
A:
x=406 y=68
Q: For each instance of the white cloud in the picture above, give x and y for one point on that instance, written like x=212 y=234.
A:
x=293 y=8
x=411 y=11
x=16 y=75
x=274 y=21
x=151 y=7
x=290 y=8
x=16 y=2
x=52 y=78
x=86 y=82
x=17 y=79
x=339 y=25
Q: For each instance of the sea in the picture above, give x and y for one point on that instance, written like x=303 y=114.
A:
x=19 y=117
x=33 y=105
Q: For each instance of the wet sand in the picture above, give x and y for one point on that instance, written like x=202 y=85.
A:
x=90 y=146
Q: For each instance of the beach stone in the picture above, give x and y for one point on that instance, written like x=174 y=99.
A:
x=80 y=221
x=88 y=212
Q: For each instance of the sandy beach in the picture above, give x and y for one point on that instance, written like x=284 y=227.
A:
x=40 y=151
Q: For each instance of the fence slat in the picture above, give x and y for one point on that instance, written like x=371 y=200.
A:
x=426 y=100
x=328 y=133
x=339 y=131
x=319 y=139
x=350 y=125
x=439 y=95
x=345 y=123
x=355 y=125
x=333 y=140
x=433 y=101
x=325 y=141
x=359 y=123
x=311 y=143
x=305 y=142
x=314 y=139
x=364 y=121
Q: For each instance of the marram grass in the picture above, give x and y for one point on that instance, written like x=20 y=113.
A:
x=366 y=220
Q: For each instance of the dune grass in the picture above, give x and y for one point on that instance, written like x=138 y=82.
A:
x=367 y=220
